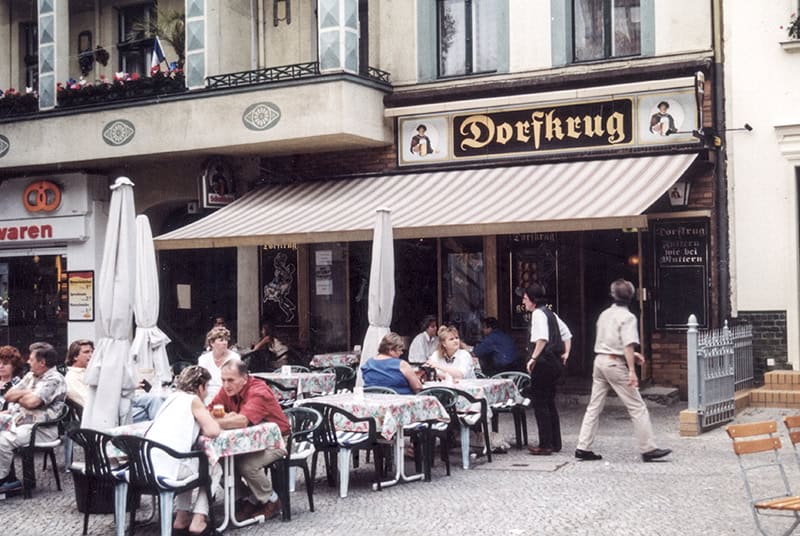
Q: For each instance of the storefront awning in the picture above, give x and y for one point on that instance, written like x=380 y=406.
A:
x=571 y=196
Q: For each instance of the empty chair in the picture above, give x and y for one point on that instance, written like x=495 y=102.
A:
x=522 y=381
x=474 y=416
x=760 y=442
x=300 y=447
x=345 y=377
x=438 y=429
x=329 y=440
x=299 y=368
x=376 y=389
x=285 y=395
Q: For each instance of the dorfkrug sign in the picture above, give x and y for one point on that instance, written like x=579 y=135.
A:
x=637 y=119
x=42 y=231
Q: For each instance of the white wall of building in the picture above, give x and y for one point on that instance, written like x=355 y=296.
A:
x=682 y=26
x=762 y=82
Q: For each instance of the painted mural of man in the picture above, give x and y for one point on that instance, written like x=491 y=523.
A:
x=421 y=143
x=662 y=122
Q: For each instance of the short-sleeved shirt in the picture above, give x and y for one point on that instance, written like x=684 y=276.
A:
x=422 y=347
x=616 y=329
x=539 y=329
x=51 y=389
x=256 y=402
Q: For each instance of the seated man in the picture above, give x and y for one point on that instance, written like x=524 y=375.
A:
x=144 y=406
x=497 y=351
x=40 y=397
x=249 y=401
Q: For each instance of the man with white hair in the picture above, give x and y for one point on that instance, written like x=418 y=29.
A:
x=617 y=337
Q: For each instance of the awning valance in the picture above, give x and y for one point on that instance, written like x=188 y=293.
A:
x=570 y=196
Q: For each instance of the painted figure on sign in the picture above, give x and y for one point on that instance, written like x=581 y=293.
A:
x=661 y=122
x=421 y=143
x=278 y=289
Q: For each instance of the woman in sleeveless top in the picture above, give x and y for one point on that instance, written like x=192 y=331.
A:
x=387 y=370
x=217 y=340
x=179 y=421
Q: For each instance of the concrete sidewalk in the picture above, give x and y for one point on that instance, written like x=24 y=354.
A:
x=697 y=491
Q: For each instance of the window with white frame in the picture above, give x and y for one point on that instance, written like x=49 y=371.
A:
x=606 y=29
x=467 y=37
x=135 y=38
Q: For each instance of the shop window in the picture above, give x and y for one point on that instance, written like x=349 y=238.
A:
x=467 y=37
x=606 y=29
x=135 y=38
x=30 y=59
x=463 y=284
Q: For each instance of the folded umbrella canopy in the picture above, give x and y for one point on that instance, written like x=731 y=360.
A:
x=110 y=374
x=381 y=287
x=149 y=348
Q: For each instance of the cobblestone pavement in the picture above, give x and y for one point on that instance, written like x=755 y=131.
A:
x=698 y=491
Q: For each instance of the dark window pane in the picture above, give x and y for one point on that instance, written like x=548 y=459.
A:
x=589 y=28
x=627 y=28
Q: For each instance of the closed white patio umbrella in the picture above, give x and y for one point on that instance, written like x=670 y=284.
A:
x=110 y=373
x=149 y=348
x=381 y=287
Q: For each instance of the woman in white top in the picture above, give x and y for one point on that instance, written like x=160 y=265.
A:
x=181 y=418
x=217 y=339
x=449 y=358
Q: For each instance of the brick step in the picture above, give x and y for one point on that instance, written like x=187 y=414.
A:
x=783 y=380
x=775 y=398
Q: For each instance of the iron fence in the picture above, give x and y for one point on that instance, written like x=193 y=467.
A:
x=711 y=373
x=743 y=355
x=297 y=71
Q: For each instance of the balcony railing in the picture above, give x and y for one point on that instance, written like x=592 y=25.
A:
x=297 y=71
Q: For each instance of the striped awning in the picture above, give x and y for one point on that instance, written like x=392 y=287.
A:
x=570 y=196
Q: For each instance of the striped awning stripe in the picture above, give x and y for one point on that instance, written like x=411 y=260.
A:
x=570 y=196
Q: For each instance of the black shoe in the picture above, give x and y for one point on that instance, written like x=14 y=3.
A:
x=587 y=455
x=655 y=454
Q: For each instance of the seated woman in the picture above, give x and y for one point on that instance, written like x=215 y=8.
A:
x=217 y=339
x=276 y=352
x=387 y=370
x=449 y=358
x=181 y=417
x=10 y=371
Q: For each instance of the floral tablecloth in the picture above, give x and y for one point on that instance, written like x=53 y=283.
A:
x=494 y=390
x=228 y=443
x=310 y=383
x=347 y=359
x=391 y=412
x=5 y=421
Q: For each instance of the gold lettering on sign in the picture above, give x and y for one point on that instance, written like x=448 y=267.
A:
x=480 y=137
x=615 y=126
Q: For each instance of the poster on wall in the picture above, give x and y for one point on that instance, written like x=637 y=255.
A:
x=681 y=263
x=3 y=294
x=323 y=272
x=667 y=117
x=424 y=139
x=217 y=185
x=279 y=286
x=80 y=296
x=534 y=259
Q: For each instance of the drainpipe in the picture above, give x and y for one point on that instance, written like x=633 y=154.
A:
x=261 y=53
x=721 y=180
x=253 y=36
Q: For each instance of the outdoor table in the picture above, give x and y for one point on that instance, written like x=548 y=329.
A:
x=5 y=421
x=223 y=448
x=346 y=359
x=309 y=383
x=391 y=413
x=493 y=390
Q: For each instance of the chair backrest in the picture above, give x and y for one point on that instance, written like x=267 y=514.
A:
x=345 y=377
x=304 y=421
x=141 y=474
x=377 y=389
x=446 y=397
x=521 y=379
x=178 y=366
x=300 y=368
x=95 y=453
x=325 y=435
x=285 y=395
x=73 y=417
x=758 y=438
x=792 y=423
x=480 y=375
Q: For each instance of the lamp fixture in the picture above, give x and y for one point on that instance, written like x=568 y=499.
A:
x=679 y=194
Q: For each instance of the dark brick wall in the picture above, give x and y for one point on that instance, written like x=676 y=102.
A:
x=769 y=339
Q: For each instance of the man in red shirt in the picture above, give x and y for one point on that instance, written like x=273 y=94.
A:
x=249 y=401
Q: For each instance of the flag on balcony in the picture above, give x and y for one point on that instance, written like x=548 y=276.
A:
x=158 y=57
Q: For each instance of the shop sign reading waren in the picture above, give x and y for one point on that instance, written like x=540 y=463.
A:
x=666 y=117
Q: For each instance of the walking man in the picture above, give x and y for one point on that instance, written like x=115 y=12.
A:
x=617 y=336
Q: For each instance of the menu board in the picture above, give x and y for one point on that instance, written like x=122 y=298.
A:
x=80 y=296
x=681 y=263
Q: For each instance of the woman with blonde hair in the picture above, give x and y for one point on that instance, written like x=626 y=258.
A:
x=217 y=339
x=387 y=369
x=449 y=358
x=182 y=417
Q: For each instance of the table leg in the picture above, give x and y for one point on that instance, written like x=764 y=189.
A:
x=400 y=463
x=464 y=445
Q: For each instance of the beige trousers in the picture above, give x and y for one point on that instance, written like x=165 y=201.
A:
x=612 y=372
x=251 y=468
x=20 y=436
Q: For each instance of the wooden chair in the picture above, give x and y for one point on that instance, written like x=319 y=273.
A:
x=761 y=438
